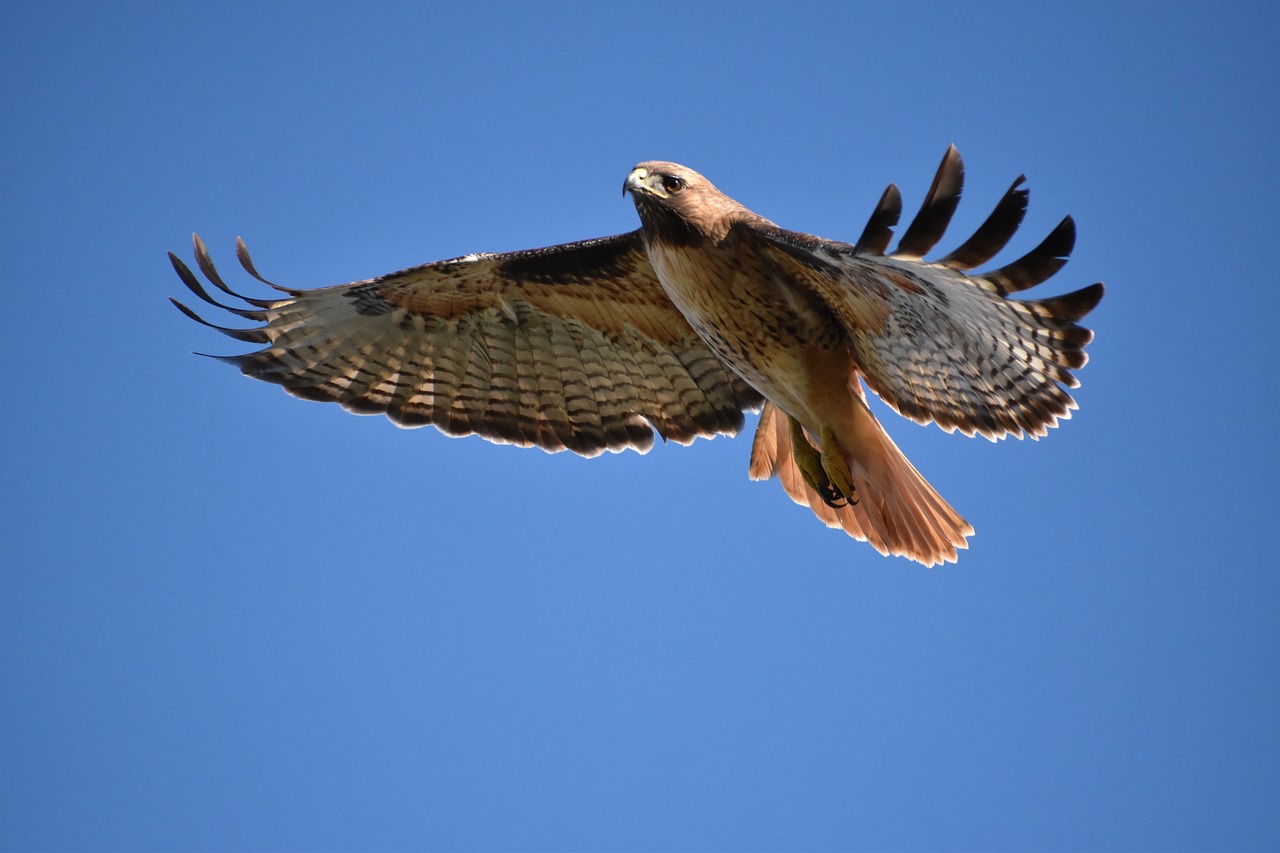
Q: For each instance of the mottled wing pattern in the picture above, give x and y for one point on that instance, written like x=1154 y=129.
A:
x=570 y=347
x=940 y=345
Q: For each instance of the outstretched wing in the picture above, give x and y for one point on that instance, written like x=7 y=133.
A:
x=574 y=346
x=940 y=345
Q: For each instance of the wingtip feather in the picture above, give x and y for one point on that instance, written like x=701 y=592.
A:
x=250 y=336
x=878 y=232
x=995 y=231
x=242 y=255
x=936 y=211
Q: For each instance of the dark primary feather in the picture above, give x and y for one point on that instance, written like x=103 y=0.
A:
x=878 y=232
x=935 y=213
x=1039 y=264
x=994 y=233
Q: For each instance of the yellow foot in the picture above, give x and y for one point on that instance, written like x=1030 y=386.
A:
x=836 y=466
x=826 y=471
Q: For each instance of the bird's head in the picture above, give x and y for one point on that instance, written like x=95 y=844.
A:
x=658 y=180
x=677 y=203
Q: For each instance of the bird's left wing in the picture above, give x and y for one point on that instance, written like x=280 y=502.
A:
x=936 y=343
x=570 y=347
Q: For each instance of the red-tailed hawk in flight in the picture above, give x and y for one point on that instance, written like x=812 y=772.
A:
x=706 y=311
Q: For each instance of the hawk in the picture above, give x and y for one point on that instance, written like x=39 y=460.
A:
x=705 y=312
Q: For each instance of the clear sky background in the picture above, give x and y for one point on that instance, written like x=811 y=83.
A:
x=234 y=620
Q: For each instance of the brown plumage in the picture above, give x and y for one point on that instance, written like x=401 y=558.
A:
x=707 y=311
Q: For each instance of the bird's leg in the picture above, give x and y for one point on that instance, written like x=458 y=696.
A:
x=836 y=466
x=817 y=470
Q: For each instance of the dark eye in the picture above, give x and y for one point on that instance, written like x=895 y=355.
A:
x=672 y=184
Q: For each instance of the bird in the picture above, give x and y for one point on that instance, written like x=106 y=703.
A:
x=706 y=312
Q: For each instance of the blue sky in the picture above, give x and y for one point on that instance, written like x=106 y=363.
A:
x=230 y=619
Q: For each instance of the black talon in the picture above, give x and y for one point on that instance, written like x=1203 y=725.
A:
x=834 y=499
x=831 y=497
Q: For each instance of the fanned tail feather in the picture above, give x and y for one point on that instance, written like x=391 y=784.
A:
x=896 y=511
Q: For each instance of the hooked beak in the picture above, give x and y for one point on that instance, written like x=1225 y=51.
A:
x=635 y=181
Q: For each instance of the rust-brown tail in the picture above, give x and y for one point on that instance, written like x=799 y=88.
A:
x=897 y=512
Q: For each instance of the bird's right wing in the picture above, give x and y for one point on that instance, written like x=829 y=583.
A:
x=570 y=347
